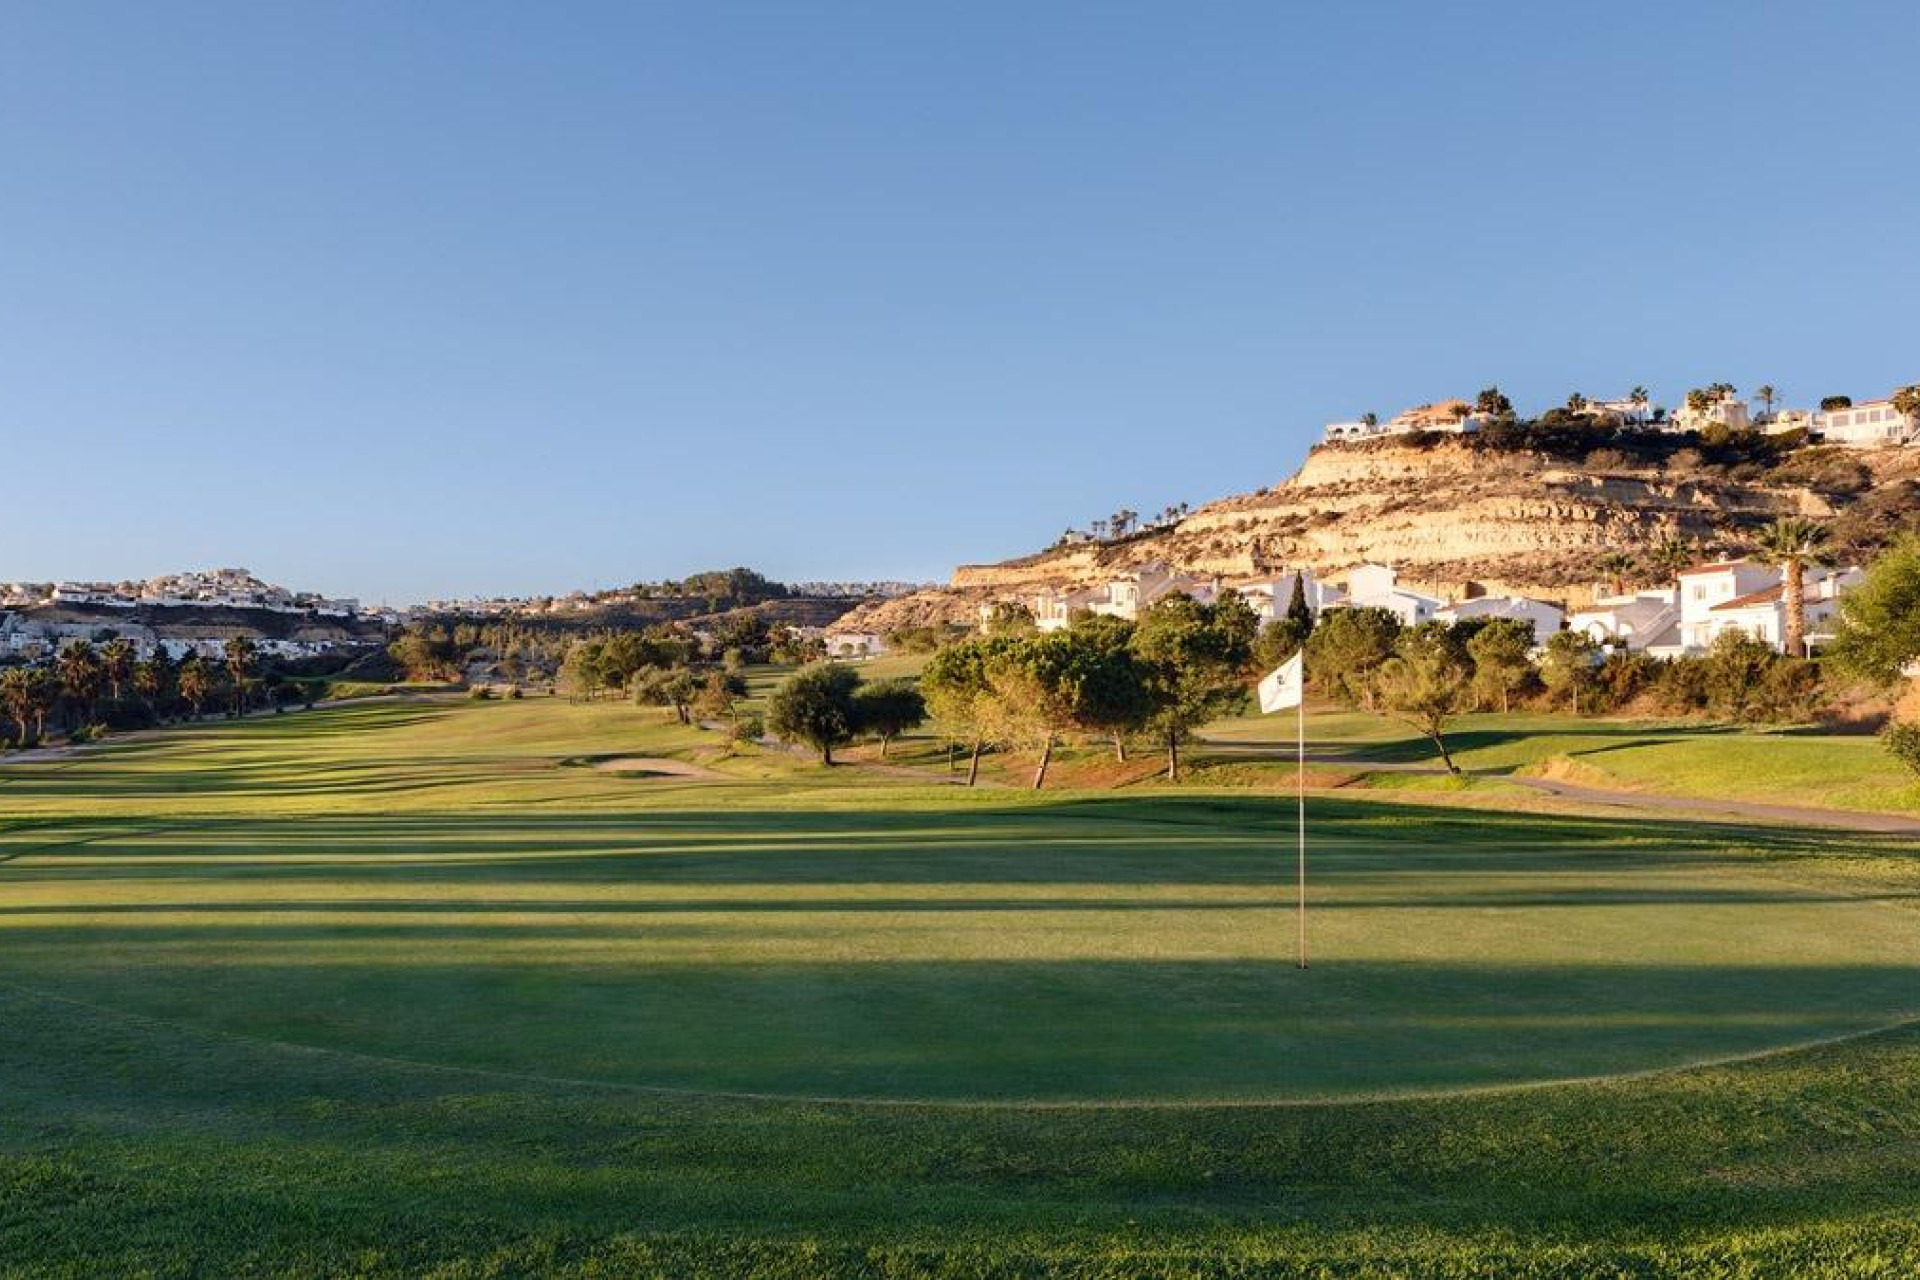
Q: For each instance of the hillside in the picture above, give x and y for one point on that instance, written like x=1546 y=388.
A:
x=1454 y=514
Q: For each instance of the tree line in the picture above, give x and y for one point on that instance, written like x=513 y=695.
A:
x=88 y=688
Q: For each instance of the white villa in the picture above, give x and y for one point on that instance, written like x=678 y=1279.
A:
x=1638 y=622
x=854 y=644
x=1744 y=595
x=1627 y=412
x=1375 y=586
x=1269 y=595
x=1874 y=424
x=1544 y=618
x=1728 y=411
x=1455 y=417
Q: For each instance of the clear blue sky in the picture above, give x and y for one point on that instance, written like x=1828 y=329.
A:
x=411 y=299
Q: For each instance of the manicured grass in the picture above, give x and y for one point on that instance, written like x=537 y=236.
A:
x=1795 y=767
x=395 y=988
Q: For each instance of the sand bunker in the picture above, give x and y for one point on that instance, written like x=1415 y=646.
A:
x=653 y=767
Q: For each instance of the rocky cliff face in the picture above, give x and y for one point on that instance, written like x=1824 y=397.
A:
x=1453 y=515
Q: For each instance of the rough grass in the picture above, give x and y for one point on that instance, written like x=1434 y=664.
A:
x=386 y=989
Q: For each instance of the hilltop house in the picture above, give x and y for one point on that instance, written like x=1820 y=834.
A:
x=1628 y=412
x=1455 y=417
x=1543 y=618
x=1728 y=411
x=1873 y=424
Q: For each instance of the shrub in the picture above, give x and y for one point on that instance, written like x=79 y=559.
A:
x=480 y=693
x=513 y=691
x=749 y=728
x=1902 y=742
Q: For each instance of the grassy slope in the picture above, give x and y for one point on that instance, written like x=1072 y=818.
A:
x=424 y=881
x=1790 y=767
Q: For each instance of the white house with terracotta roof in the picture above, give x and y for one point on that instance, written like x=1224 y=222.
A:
x=1874 y=424
x=1455 y=417
x=1746 y=596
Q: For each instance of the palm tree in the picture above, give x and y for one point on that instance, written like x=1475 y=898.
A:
x=1793 y=543
x=1766 y=395
x=116 y=663
x=79 y=671
x=195 y=684
x=150 y=678
x=16 y=695
x=1617 y=565
x=1670 y=555
x=239 y=656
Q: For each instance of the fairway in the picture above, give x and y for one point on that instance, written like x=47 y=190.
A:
x=427 y=882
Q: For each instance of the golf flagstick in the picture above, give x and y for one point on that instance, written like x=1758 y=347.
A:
x=1285 y=687
x=1300 y=809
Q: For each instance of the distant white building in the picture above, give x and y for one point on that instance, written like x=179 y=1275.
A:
x=1270 y=594
x=1542 y=617
x=1749 y=597
x=854 y=644
x=1728 y=411
x=1456 y=417
x=1875 y=424
x=1375 y=586
x=1623 y=413
x=1637 y=622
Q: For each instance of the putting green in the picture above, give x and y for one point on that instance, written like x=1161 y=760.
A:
x=469 y=905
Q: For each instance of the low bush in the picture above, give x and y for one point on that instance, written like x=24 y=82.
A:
x=1902 y=742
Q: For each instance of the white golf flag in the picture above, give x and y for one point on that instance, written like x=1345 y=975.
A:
x=1282 y=688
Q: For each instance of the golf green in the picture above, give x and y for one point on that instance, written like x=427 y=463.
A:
x=429 y=884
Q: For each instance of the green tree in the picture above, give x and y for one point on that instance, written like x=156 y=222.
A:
x=1492 y=403
x=116 y=664
x=19 y=697
x=815 y=705
x=1672 y=556
x=1426 y=682
x=1902 y=742
x=79 y=672
x=1035 y=688
x=1194 y=661
x=1618 y=566
x=960 y=695
x=717 y=695
x=196 y=684
x=1735 y=676
x=1792 y=544
x=153 y=678
x=1502 y=655
x=1299 y=612
x=1009 y=618
x=1110 y=697
x=1878 y=636
x=1347 y=646
x=1569 y=664
x=582 y=672
x=238 y=654
x=888 y=708
x=1907 y=400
